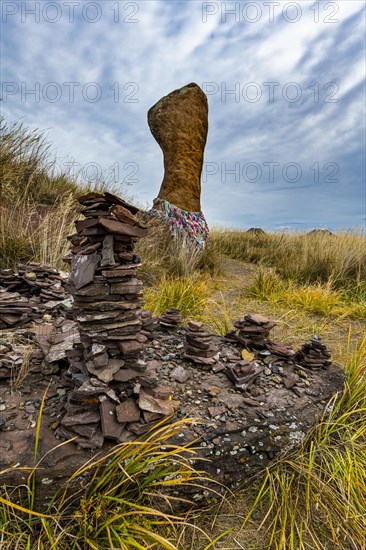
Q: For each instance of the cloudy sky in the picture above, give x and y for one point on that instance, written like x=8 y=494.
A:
x=285 y=83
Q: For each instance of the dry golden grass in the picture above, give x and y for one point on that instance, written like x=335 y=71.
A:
x=30 y=233
x=302 y=258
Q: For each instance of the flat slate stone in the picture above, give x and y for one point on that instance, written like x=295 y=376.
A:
x=113 y=199
x=114 y=226
x=152 y=404
x=128 y=411
x=122 y=271
x=88 y=417
x=108 y=252
x=180 y=374
x=85 y=224
x=111 y=427
x=104 y=373
x=93 y=290
x=124 y=215
x=125 y=375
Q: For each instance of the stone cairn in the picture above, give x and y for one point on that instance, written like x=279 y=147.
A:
x=253 y=331
x=243 y=374
x=199 y=345
x=271 y=357
x=29 y=293
x=314 y=355
x=282 y=354
x=171 y=319
x=117 y=394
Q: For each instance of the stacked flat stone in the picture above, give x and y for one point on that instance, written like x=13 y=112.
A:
x=277 y=353
x=30 y=292
x=253 y=331
x=149 y=324
x=314 y=355
x=112 y=378
x=35 y=279
x=199 y=345
x=243 y=373
x=171 y=319
x=10 y=361
x=15 y=310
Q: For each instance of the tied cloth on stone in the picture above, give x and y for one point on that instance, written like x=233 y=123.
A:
x=182 y=222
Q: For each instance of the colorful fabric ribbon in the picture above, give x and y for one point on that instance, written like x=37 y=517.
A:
x=182 y=222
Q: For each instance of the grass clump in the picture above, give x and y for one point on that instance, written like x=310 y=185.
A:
x=30 y=233
x=317 y=298
x=118 y=508
x=188 y=294
x=28 y=173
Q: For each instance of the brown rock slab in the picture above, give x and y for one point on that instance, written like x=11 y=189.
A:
x=290 y=380
x=88 y=431
x=151 y=417
x=111 y=427
x=128 y=411
x=152 y=404
x=195 y=325
x=125 y=375
x=94 y=290
x=258 y=319
x=90 y=198
x=124 y=215
x=132 y=286
x=114 y=226
x=180 y=374
x=104 y=373
x=89 y=417
x=217 y=411
x=85 y=224
x=179 y=123
x=113 y=199
x=130 y=347
x=120 y=272
x=160 y=392
x=107 y=252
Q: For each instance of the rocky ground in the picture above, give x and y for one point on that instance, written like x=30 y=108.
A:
x=240 y=427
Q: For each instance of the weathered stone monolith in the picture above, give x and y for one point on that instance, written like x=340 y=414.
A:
x=179 y=123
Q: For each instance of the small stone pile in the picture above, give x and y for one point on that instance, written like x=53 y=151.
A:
x=117 y=392
x=314 y=355
x=10 y=361
x=149 y=324
x=253 y=331
x=29 y=293
x=35 y=279
x=199 y=345
x=15 y=310
x=171 y=319
x=277 y=353
x=243 y=374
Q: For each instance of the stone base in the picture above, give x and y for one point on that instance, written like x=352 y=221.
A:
x=240 y=432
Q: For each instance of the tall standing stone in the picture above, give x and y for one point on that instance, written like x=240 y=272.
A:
x=179 y=123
